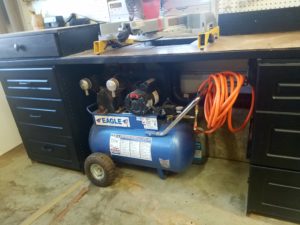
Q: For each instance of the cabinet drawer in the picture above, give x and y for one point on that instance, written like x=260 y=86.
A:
x=274 y=192
x=276 y=141
x=30 y=82
x=42 y=45
x=57 y=150
x=54 y=42
x=278 y=87
x=53 y=150
x=48 y=112
x=35 y=128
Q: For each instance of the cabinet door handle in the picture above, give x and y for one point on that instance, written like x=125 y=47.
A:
x=35 y=116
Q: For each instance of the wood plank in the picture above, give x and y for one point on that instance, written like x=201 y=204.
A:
x=52 y=203
x=57 y=218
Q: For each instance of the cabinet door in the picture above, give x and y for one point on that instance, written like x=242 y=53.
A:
x=275 y=193
x=276 y=140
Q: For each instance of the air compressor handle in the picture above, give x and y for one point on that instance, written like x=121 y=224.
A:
x=174 y=122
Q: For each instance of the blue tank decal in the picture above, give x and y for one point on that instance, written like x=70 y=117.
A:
x=126 y=120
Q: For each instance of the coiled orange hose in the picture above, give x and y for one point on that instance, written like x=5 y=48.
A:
x=221 y=91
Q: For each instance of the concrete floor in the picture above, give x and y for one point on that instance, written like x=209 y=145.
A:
x=206 y=195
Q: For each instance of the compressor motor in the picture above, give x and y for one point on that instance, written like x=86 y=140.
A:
x=141 y=100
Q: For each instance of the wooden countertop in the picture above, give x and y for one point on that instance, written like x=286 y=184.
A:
x=268 y=42
x=269 y=45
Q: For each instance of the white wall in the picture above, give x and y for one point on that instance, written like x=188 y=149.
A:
x=25 y=14
x=9 y=134
x=94 y=9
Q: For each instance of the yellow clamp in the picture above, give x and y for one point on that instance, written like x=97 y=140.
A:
x=208 y=37
x=100 y=46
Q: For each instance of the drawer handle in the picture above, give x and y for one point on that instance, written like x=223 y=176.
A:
x=17 y=47
x=35 y=116
x=47 y=148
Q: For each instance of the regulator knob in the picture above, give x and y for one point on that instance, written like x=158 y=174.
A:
x=112 y=85
x=85 y=84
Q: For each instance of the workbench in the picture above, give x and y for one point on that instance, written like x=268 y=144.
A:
x=270 y=45
x=274 y=70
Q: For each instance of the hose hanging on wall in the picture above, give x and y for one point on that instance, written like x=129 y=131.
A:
x=220 y=91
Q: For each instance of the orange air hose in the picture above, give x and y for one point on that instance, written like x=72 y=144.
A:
x=220 y=91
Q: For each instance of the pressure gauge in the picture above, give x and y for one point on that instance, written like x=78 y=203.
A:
x=112 y=85
x=85 y=84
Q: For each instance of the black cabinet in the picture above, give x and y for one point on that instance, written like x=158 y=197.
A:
x=274 y=192
x=48 y=112
x=41 y=113
x=274 y=184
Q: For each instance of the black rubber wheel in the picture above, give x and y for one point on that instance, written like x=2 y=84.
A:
x=100 y=169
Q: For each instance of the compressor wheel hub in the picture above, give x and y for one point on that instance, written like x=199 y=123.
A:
x=97 y=171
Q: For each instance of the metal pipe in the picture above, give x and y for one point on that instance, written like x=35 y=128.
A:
x=196 y=117
x=177 y=120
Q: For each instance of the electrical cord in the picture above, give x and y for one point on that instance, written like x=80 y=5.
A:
x=74 y=16
x=220 y=91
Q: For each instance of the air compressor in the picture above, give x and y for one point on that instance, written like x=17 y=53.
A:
x=131 y=127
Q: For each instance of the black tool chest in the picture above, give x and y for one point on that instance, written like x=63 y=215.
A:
x=40 y=115
x=46 y=114
x=274 y=183
x=50 y=113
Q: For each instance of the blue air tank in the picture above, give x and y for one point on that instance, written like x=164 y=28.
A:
x=173 y=152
